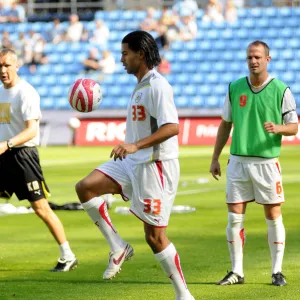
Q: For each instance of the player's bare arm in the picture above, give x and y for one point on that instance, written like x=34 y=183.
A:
x=24 y=136
x=165 y=132
x=288 y=129
x=30 y=131
x=222 y=138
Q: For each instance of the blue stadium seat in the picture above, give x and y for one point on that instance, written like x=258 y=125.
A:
x=219 y=66
x=42 y=90
x=51 y=80
x=279 y=65
x=181 y=102
x=212 y=102
x=212 y=78
x=228 y=33
x=120 y=102
x=189 y=90
x=288 y=77
x=270 y=12
x=35 y=80
x=285 y=12
x=220 y=89
x=62 y=103
x=294 y=65
x=191 y=67
x=101 y=15
x=107 y=102
x=177 y=90
x=205 y=89
x=197 y=102
x=66 y=79
x=183 y=78
x=190 y=45
x=57 y=91
x=256 y=12
x=197 y=78
x=183 y=56
x=47 y=103
x=140 y=15
x=243 y=13
x=287 y=54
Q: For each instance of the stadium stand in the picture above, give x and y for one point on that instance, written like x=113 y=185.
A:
x=201 y=68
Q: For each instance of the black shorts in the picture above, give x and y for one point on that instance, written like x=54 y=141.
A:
x=21 y=173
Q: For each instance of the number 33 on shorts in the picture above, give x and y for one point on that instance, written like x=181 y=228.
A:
x=152 y=206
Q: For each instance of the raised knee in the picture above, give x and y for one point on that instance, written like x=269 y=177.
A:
x=81 y=186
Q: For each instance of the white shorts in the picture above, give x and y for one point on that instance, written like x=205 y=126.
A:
x=151 y=187
x=250 y=179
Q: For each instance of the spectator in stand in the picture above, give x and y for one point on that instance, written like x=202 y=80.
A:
x=150 y=22
x=5 y=40
x=106 y=65
x=16 y=13
x=188 y=7
x=75 y=29
x=187 y=28
x=100 y=34
x=162 y=39
x=4 y=12
x=92 y=62
x=39 y=57
x=213 y=12
x=55 y=35
x=34 y=51
x=168 y=18
x=164 y=67
x=19 y=47
x=230 y=13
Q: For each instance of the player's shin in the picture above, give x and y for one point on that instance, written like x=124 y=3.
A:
x=236 y=240
x=97 y=210
x=170 y=263
x=276 y=240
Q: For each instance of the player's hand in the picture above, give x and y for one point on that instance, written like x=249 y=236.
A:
x=121 y=151
x=270 y=127
x=3 y=147
x=215 y=169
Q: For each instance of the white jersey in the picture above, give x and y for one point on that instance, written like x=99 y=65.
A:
x=18 y=104
x=151 y=106
x=288 y=107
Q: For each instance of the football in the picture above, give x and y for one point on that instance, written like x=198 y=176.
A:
x=85 y=95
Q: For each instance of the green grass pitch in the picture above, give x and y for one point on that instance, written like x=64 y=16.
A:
x=28 y=251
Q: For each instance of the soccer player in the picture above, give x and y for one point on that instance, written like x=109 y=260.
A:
x=262 y=110
x=20 y=170
x=145 y=168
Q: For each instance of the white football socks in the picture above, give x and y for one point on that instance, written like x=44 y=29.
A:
x=236 y=240
x=276 y=239
x=97 y=210
x=170 y=263
x=65 y=251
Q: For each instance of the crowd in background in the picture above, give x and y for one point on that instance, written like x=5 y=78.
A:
x=175 y=23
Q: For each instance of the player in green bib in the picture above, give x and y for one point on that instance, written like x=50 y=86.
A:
x=261 y=109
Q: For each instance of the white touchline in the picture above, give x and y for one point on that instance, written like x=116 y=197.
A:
x=206 y=190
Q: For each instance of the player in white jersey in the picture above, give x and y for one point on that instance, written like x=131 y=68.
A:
x=145 y=168
x=262 y=110
x=20 y=170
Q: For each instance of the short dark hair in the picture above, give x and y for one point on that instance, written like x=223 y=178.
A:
x=5 y=51
x=143 y=41
x=257 y=43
